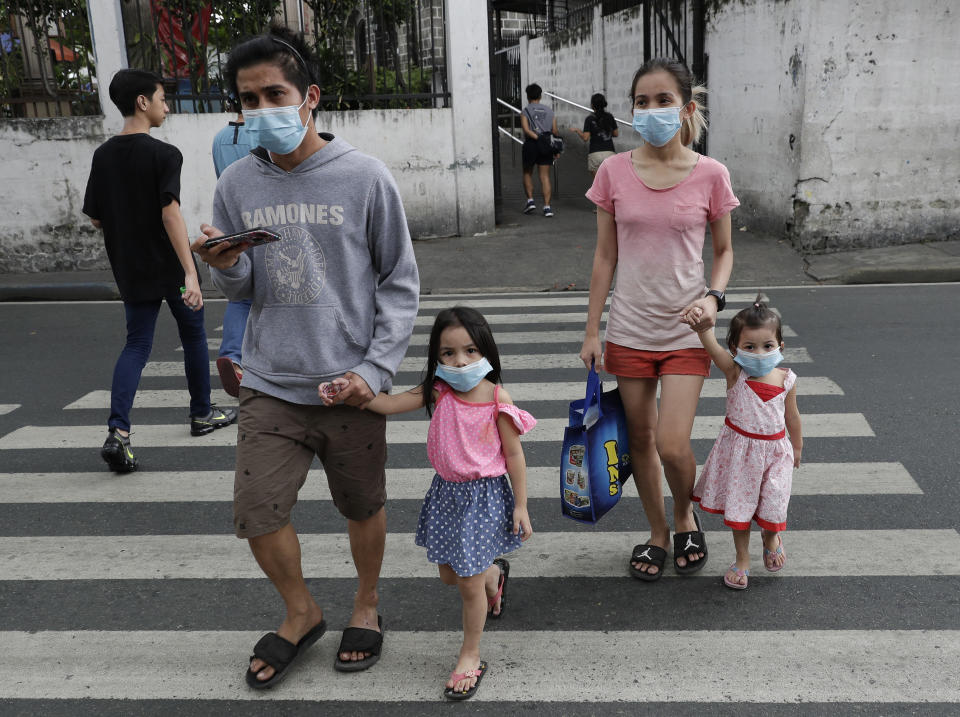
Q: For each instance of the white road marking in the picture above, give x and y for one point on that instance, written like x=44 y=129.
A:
x=402 y=484
x=822 y=553
x=6 y=408
x=842 y=666
x=815 y=425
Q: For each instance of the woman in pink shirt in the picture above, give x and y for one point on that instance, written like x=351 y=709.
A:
x=653 y=207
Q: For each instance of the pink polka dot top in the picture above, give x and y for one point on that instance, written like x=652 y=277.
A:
x=463 y=442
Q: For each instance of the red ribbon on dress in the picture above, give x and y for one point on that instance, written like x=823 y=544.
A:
x=758 y=436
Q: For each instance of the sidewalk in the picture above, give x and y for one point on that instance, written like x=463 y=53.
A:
x=534 y=253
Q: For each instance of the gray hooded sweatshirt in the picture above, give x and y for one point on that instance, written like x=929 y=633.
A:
x=340 y=292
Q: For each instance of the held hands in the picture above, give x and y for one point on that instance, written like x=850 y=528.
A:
x=353 y=391
x=329 y=390
x=220 y=256
x=701 y=315
x=521 y=524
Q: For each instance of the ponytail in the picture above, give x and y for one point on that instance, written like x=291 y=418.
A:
x=695 y=125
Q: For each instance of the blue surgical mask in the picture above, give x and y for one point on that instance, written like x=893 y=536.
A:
x=758 y=364
x=464 y=378
x=277 y=129
x=657 y=126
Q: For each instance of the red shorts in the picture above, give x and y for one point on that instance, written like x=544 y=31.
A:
x=634 y=363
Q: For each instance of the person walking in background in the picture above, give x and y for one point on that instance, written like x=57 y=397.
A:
x=133 y=195
x=599 y=129
x=539 y=125
x=230 y=144
x=749 y=471
x=470 y=516
x=654 y=204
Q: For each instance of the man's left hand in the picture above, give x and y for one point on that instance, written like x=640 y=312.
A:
x=357 y=392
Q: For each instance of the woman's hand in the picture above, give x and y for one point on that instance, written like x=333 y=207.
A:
x=591 y=353
x=521 y=524
x=191 y=294
x=700 y=315
x=328 y=390
x=219 y=256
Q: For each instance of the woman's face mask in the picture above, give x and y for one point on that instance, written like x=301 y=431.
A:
x=657 y=126
x=277 y=129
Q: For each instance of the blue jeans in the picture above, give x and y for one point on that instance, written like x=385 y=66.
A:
x=141 y=321
x=234 y=324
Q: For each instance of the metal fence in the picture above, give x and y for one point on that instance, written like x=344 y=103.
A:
x=46 y=59
x=367 y=53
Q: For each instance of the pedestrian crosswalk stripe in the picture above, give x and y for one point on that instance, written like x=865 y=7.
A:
x=598 y=666
x=816 y=553
x=579 y=317
x=535 y=301
x=815 y=425
x=509 y=362
x=506 y=338
x=6 y=408
x=520 y=392
x=402 y=484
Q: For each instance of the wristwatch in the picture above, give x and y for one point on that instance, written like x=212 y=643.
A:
x=718 y=295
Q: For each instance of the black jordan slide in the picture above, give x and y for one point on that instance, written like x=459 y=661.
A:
x=691 y=541
x=649 y=555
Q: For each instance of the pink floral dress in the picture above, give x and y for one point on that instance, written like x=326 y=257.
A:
x=748 y=473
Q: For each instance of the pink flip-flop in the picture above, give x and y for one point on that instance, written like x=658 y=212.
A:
x=451 y=694
x=769 y=556
x=740 y=574
x=501 y=593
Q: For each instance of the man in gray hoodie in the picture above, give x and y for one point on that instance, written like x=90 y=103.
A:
x=337 y=296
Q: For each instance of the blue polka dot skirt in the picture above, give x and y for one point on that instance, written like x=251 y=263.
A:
x=468 y=524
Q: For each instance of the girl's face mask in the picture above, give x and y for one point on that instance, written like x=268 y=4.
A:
x=464 y=378
x=277 y=129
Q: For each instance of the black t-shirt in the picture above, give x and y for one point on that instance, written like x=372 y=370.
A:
x=132 y=177
x=601 y=137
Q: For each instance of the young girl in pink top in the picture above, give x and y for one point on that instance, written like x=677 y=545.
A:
x=654 y=204
x=748 y=473
x=470 y=515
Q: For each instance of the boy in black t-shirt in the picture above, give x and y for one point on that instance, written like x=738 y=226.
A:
x=133 y=195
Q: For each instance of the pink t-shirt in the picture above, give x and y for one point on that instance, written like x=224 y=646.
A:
x=660 y=236
x=463 y=442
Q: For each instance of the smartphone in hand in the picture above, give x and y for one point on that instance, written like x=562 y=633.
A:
x=249 y=237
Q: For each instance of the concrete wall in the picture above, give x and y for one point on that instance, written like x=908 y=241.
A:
x=868 y=93
x=442 y=159
x=48 y=162
x=837 y=120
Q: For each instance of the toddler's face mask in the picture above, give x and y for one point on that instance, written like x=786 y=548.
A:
x=758 y=364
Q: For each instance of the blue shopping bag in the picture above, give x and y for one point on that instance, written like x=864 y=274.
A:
x=595 y=461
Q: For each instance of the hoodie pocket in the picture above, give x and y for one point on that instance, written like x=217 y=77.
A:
x=305 y=341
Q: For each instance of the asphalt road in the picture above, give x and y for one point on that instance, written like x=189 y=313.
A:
x=128 y=595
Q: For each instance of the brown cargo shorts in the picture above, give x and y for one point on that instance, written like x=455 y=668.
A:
x=276 y=443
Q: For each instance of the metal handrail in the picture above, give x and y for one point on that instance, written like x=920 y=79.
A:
x=588 y=109
x=510 y=106
x=510 y=135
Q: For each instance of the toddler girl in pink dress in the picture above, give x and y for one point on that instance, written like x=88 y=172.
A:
x=748 y=473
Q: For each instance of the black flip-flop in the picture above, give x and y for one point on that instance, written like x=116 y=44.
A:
x=360 y=639
x=691 y=541
x=650 y=555
x=451 y=695
x=504 y=566
x=279 y=653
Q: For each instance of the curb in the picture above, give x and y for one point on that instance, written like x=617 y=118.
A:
x=87 y=291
